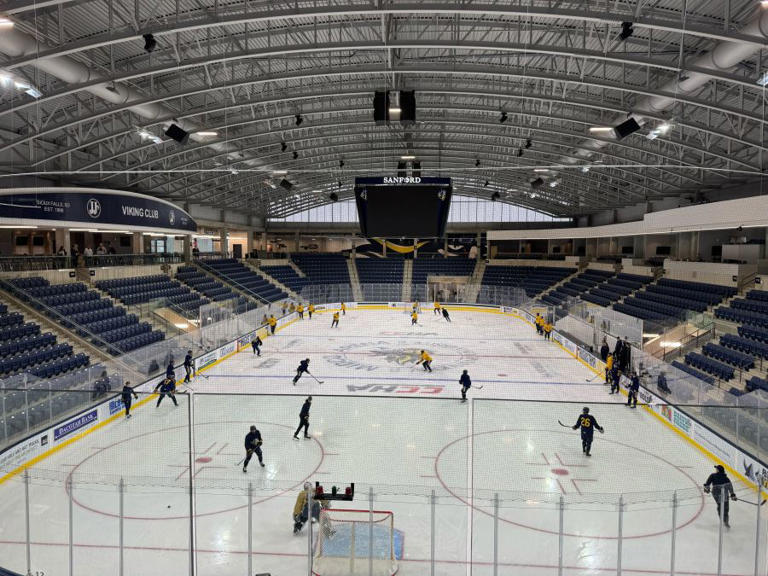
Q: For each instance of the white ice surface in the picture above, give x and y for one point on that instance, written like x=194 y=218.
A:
x=385 y=424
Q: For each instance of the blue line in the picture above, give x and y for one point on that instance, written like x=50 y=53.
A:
x=284 y=376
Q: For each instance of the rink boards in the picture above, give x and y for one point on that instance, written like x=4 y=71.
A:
x=40 y=445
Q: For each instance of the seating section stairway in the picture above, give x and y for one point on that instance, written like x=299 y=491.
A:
x=577 y=286
x=532 y=279
x=212 y=289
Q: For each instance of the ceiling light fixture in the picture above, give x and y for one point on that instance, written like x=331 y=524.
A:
x=279 y=172
x=596 y=129
x=5 y=22
x=394 y=110
x=408 y=157
x=585 y=169
x=207 y=133
x=541 y=170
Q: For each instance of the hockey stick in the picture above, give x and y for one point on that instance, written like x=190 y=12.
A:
x=563 y=425
x=593 y=378
x=753 y=503
x=241 y=461
x=316 y=380
x=479 y=387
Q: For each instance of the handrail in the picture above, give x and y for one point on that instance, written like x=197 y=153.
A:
x=107 y=260
x=243 y=289
x=34 y=263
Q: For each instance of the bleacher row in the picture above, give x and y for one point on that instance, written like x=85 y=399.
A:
x=244 y=278
x=24 y=349
x=532 y=279
x=322 y=268
x=287 y=276
x=138 y=290
x=616 y=288
x=577 y=286
x=90 y=317
x=212 y=289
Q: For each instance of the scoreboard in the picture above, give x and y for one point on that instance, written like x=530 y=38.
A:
x=403 y=207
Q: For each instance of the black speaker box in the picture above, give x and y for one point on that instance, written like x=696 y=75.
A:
x=626 y=128
x=180 y=135
x=407 y=107
x=286 y=184
x=381 y=107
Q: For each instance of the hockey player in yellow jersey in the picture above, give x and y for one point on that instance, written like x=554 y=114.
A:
x=310 y=309
x=437 y=308
x=300 y=311
x=414 y=317
x=425 y=360
x=335 y=322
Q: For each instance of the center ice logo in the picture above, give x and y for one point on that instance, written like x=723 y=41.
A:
x=382 y=356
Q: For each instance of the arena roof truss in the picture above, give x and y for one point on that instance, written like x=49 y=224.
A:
x=83 y=101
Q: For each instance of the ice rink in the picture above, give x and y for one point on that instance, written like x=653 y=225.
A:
x=384 y=423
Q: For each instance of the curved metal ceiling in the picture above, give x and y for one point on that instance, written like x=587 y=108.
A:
x=246 y=69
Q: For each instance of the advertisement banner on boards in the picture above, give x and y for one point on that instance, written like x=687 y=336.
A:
x=713 y=443
x=206 y=360
x=227 y=349
x=78 y=424
x=245 y=341
x=24 y=451
x=94 y=207
x=588 y=358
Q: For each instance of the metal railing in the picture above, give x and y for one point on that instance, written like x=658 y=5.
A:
x=108 y=260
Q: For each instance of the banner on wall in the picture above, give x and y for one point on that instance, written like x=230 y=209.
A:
x=94 y=207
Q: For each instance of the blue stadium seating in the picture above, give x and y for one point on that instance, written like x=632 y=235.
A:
x=756 y=383
x=381 y=271
x=90 y=317
x=533 y=279
x=139 y=289
x=693 y=372
x=322 y=268
x=212 y=289
x=746 y=345
x=717 y=369
x=286 y=276
x=237 y=274
x=732 y=357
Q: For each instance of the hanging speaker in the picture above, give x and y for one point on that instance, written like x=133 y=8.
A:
x=626 y=128
x=381 y=107
x=407 y=107
x=401 y=167
x=538 y=183
x=180 y=135
x=416 y=169
x=286 y=184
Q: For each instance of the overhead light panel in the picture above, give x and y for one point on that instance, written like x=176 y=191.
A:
x=145 y=135
x=542 y=170
x=18 y=227
x=149 y=43
x=554 y=184
x=585 y=169
x=207 y=133
x=408 y=157
x=279 y=172
x=394 y=110
x=598 y=129
x=6 y=22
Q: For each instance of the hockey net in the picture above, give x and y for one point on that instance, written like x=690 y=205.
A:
x=355 y=543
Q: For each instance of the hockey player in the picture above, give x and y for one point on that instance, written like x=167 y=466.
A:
x=310 y=310
x=284 y=308
x=721 y=488
x=587 y=423
x=437 y=308
x=615 y=379
x=425 y=360
x=300 y=311
x=170 y=371
x=539 y=322
x=126 y=397
x=634 y=388
x=256 y=344
x=608 y=368
x=304 y=419
x=343 y=309
x=189 y=366
x=253 y=442
x=301 y=513
x=303 y=367
x=335 y=322
x=414 y=317
x=445 y=314
x=272 y=321
x=547 y=330
x=167 y=388
x=466 y=384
